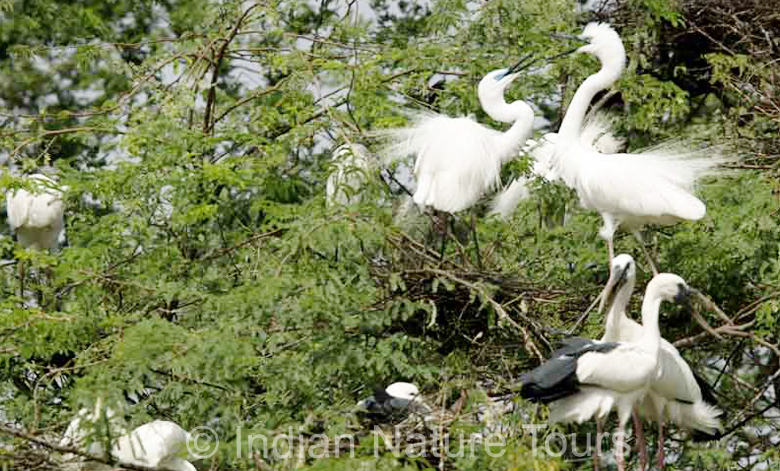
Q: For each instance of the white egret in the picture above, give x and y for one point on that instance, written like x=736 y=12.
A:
x=459 y=159
x=344 y=184
x=157 y=444
x=675 y=395
x=37 y=218
x=596 y=134
x=588 y=378
x=398 y=399
x=628 y=190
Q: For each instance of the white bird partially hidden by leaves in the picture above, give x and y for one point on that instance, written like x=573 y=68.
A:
x=597 y=134
x=396 y=401
x=346 y=181
x=158 y=444
x=36 y=217
x=628 y=190
x=588 y=378
x=676 y=394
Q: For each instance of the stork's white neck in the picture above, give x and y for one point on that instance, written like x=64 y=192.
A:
x=617 y=312
x=575 y=114
x=651 y=306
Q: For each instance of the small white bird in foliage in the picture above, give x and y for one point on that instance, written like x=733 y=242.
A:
x=588 y=378
x=676 y=394
x=157 y=444
x=629 y=190
x=37 y=217
x=351 y=162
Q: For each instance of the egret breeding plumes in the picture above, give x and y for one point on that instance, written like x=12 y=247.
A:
x=351 y=162
x=596 y=134
x=588 y=378
x=675 y=395
x=629 y=190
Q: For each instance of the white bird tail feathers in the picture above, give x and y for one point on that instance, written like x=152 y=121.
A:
x=507 y=200
x=698 y=416
x=588 y=403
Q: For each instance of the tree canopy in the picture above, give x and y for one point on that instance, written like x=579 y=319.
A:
x=203 y=279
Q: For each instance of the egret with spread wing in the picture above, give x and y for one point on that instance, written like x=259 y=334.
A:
x=628 y=190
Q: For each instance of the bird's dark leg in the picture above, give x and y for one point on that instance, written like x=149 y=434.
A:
x=445 y=228
x=661 y=444
x=640 y=440
x=653 y=263
x=476 y=243
x=21 y=279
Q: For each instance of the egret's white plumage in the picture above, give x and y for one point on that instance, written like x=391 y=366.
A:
x=351 y=162
x=596 y=134
x=459 y=159
x=36 y=217
x=675 y=394
x=157 y=444
x=587 y=378
x=628 y=190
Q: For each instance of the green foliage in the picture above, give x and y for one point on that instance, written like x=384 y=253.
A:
x=205 y=280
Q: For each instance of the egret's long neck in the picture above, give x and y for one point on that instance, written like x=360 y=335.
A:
x=617 y=313
x=522 y=128
x=575 y=114
x=651 y=305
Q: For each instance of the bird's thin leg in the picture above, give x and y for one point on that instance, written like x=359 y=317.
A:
x=653 y=264
x=640 y=440
x=21 y=278
x=597 y=454
x=444 y=236
x=610 y=252
x=620 y=443
x=476 y=243
x=661 y=444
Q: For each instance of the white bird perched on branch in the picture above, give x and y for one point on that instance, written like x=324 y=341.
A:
x=629 y=190
x=588 y=378
x=676 y=394
x=459 y=159
x=596 y=134
x=37 y=217
x=344 y=184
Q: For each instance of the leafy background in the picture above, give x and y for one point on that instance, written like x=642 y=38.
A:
x=204 y=280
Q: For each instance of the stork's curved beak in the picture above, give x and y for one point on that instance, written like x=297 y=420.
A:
x=617 y=279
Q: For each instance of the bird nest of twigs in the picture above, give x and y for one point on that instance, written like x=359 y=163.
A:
x=463 y=306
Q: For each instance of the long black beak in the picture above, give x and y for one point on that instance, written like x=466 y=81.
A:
x=524 y=62
x=528 y=60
